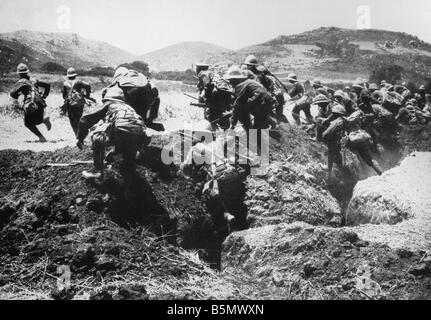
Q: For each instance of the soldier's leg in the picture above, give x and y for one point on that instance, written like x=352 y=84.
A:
x=98 y=147
x=74 y=117
x=307 y=110
x=32 y=127
x=295 y=114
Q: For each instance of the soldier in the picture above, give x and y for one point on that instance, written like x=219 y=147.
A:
x=122 y=128
x=323 y=117
x=33 y=102
x=251 y=65
x=74 y=93
x=422 y=99
x=262 y=75
x=332 y=138
x=251 y=99
x=343 y=99
x=411 y=114
x=358 y=87
x=136 y=88
x=216 y=93
x=302 y=103
x=358 y=141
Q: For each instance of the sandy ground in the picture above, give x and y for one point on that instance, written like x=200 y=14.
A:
x=175 y=113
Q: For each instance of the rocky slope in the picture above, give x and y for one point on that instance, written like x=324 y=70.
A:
x=65 y=49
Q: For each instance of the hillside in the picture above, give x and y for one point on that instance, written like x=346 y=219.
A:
x=182 y=56
x=63 y=48
x=333 y=54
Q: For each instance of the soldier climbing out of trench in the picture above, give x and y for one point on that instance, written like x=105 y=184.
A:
x=262 y=75
x=139 y=94
x=33 y=103
x=251 y=99
x=216 y=94
x=122 y=128
x=332 y=138
x=301 y=100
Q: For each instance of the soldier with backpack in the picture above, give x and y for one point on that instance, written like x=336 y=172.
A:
x=33 y=103
x=216 y=93
x=138 y=93
x=121 y=127
x=74 y=92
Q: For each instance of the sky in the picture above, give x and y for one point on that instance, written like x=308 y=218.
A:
x=141 y=26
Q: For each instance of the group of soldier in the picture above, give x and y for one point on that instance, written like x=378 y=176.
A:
x=358 y=117
x=250 y=96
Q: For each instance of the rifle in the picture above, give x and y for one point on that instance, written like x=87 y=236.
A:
x=199 y=105
x=190 y=96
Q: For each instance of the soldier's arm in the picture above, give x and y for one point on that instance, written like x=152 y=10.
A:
x=90 y=120
x=45 y=86
x=16 y=91
x=87 y=87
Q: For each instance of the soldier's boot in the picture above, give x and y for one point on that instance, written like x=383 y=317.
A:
x=36 y=131
x=98 y=158
x=47 y=123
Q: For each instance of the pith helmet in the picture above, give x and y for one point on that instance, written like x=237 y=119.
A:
x=234 y=72
x=22 y=69
x=292 y=77
x=320 y=98
x=358 y=84
x=317 y=84
x=201 y=66
x=71 y=72
x=339 y=94
x=251 y=60
x=338 y=109
x=373 y=86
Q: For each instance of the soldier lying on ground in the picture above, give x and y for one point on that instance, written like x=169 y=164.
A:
x=33 y=103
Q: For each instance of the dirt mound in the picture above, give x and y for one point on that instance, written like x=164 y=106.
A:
x=399 y=198
x=50 y=217
x=300 y=261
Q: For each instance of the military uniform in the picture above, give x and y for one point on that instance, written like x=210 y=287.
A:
x=122 y=128
x=301 y=104
x=251 y=98
x=74 y=102
x=216 y=93
x=24 y=87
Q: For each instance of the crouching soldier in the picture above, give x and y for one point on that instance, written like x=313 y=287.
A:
x=33 y=103
x=122 y=128
x=251 y=99
x=216 y=93
x=74 y=92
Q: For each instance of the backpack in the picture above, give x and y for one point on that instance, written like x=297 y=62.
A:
x=359 y=136
x=33 y=101
x=133 y=79
x=76 y=97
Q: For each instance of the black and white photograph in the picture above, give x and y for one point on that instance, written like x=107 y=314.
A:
x=232 y=151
